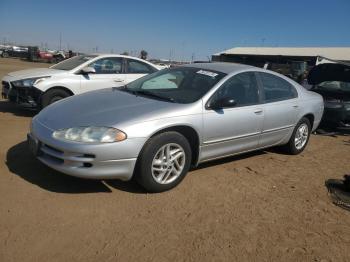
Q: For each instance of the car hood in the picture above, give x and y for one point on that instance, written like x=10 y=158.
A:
x=36 y=72
x=329 y=72
x=107 y=107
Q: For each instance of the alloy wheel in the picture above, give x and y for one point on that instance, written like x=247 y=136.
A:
x=301 y=136
x=168 y=163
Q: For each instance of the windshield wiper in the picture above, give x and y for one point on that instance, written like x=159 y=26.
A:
x=125 y=88
x=151 y=94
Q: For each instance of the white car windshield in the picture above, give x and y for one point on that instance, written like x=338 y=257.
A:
x=73 y=62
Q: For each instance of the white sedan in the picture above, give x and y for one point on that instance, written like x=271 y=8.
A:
x=40 y=87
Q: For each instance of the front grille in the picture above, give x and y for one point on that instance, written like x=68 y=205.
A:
x=54 y=149
x=60 y=157
x=30 y=95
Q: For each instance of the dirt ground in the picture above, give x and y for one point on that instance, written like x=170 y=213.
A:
x=264 y=206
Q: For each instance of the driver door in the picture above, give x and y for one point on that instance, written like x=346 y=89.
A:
x=236 y=129
x=109 y=73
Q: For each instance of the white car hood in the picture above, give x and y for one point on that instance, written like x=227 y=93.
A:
x=36 y=72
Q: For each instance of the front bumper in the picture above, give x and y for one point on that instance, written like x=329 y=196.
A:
x=24 y=96
x=93 y=161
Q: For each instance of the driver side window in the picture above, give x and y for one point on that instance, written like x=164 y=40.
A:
x=242 y=88
x=109 y=65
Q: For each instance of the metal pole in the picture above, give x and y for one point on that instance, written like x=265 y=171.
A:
x=60 y=41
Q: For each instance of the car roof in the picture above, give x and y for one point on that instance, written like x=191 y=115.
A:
x=113 y=55
x=102 y=55
x=223 y=67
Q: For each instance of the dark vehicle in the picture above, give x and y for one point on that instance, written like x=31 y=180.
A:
x=15 y=51
x=332 y=81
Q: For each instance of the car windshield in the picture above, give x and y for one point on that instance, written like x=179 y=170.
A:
x=334 y=86
x=180 y=85
x=73 y=62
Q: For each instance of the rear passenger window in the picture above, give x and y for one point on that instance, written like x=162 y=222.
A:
x=137 y=67
x=276 y=88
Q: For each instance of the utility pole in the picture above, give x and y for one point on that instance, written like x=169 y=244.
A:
x=170 y=55
x=182 y=51
x=60 y=41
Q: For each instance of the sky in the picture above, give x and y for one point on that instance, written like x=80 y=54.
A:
x=181 y=30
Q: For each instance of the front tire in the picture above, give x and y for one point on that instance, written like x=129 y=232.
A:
x=300 y=137
x=163 y=162
x=53 y=96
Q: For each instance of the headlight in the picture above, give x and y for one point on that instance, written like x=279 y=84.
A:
x=29 y=82
x=90 y=134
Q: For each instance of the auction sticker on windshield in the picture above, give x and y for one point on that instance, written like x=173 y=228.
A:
x=207 y=73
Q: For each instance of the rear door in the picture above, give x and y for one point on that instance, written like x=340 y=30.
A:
x=280 y=108
x=232 y=130
x=109 y=73
x=135 y=69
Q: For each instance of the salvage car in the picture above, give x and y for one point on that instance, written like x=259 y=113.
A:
x=156 y=127
x=15 y=51
x=40 y=87
x=332 y=81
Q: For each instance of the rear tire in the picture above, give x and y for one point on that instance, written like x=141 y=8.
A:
x=299 y=138
x=163 y=162
x=53 y=96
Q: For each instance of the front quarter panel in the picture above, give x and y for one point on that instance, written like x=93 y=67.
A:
x=67 y=80
x=190 y=117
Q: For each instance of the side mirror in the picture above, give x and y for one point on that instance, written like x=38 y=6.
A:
x=222 y=103
x=88 y=70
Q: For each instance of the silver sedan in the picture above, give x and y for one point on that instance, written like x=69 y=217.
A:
x=158 y=126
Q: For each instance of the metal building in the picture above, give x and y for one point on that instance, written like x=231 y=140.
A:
x=291 y=61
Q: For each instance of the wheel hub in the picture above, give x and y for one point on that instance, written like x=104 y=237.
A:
x=301 y=136
x=168 y=163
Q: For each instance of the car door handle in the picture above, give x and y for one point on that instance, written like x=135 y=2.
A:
x=295 y=106
x=118 y=80
x=258 y=111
